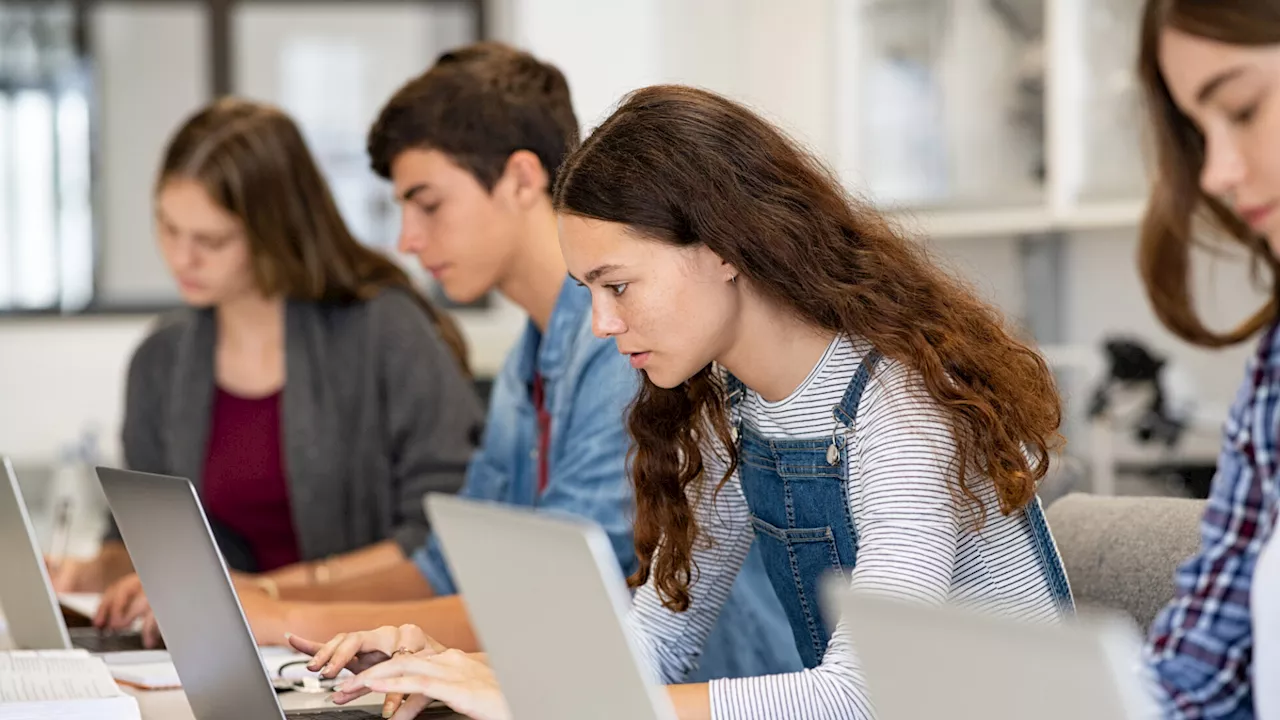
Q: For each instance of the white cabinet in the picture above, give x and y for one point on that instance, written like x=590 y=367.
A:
x=1105 y=110
x=991 y=117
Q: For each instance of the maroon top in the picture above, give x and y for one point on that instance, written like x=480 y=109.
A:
x=544 y=430
x=244 y=485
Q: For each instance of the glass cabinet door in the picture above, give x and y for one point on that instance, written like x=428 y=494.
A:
x=46 y=229
x=1110 y=112
x=947 y=101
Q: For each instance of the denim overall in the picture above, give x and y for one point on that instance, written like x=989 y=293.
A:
x=798 y=493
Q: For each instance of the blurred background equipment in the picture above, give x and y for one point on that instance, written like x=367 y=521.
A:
x=1141 y=396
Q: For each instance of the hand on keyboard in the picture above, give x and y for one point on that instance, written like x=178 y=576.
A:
x=461 y=681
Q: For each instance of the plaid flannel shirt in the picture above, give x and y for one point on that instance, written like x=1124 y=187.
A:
x=1201 y=645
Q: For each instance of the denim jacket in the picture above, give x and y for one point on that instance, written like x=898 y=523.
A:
x=588 y=386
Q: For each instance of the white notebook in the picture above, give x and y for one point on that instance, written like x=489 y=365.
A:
x=83 y=604
x=69 y=684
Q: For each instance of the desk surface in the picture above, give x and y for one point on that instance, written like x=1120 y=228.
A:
x=172 y=704
x=157 y=704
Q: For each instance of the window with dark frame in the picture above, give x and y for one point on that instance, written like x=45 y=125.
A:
x=46 y=216
x=52 y=239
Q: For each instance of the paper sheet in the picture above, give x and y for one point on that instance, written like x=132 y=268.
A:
x=42 y=676
x=148 y=676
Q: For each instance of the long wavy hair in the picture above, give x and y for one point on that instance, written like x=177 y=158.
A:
x=1180 y=210
x=253 y=161
x=684 y=166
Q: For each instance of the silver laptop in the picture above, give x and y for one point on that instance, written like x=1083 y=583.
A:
x=173 y=550
x=922 y=661
x=548 y=602
x=31 y=608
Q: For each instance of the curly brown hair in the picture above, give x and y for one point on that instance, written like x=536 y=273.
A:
x=1177 y=200
x=685 y=166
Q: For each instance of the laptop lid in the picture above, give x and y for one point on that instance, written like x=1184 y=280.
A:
x=190 y=591
x=26 y=594
x=925 y=661
x=548 y=602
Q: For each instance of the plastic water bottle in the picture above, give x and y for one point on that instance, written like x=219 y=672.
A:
x=75 y=500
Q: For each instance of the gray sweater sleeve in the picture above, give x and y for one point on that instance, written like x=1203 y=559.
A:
x=432 y=413
x=147 y=380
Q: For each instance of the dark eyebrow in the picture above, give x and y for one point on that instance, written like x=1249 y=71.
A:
x=1216 y=82
x=215 y=237
x=204 y=236
x=407 y=195
x=595 y=274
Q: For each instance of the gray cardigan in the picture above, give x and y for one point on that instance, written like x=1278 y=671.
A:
x=375 y=412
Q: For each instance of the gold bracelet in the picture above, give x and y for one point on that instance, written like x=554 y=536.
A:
x=269 y=587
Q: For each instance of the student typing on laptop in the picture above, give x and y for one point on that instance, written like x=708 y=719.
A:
x=310 y=392
x=813 y=384
x=472 y=147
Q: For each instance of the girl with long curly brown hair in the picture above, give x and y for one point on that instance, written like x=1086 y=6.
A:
x=813 y=384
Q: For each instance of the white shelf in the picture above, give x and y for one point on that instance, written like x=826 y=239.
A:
x=997 y=222
x=1103 y=216
x=1073 y=356
x=943 y=224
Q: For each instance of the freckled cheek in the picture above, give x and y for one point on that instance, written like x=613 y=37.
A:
x=663 y=310
x=632 y=316
x=649 y=319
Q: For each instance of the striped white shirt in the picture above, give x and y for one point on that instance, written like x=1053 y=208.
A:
x=916 y=538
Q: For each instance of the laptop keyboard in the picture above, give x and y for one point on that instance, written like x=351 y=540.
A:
x=96 y=642
x=332 y=714
x=361 y=712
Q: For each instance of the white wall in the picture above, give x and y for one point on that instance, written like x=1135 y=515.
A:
x=604 y=48
x=61 y=377
x=152 y=75
x=775 y=56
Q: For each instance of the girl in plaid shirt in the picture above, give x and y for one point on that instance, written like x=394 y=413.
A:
x=1211 y=71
